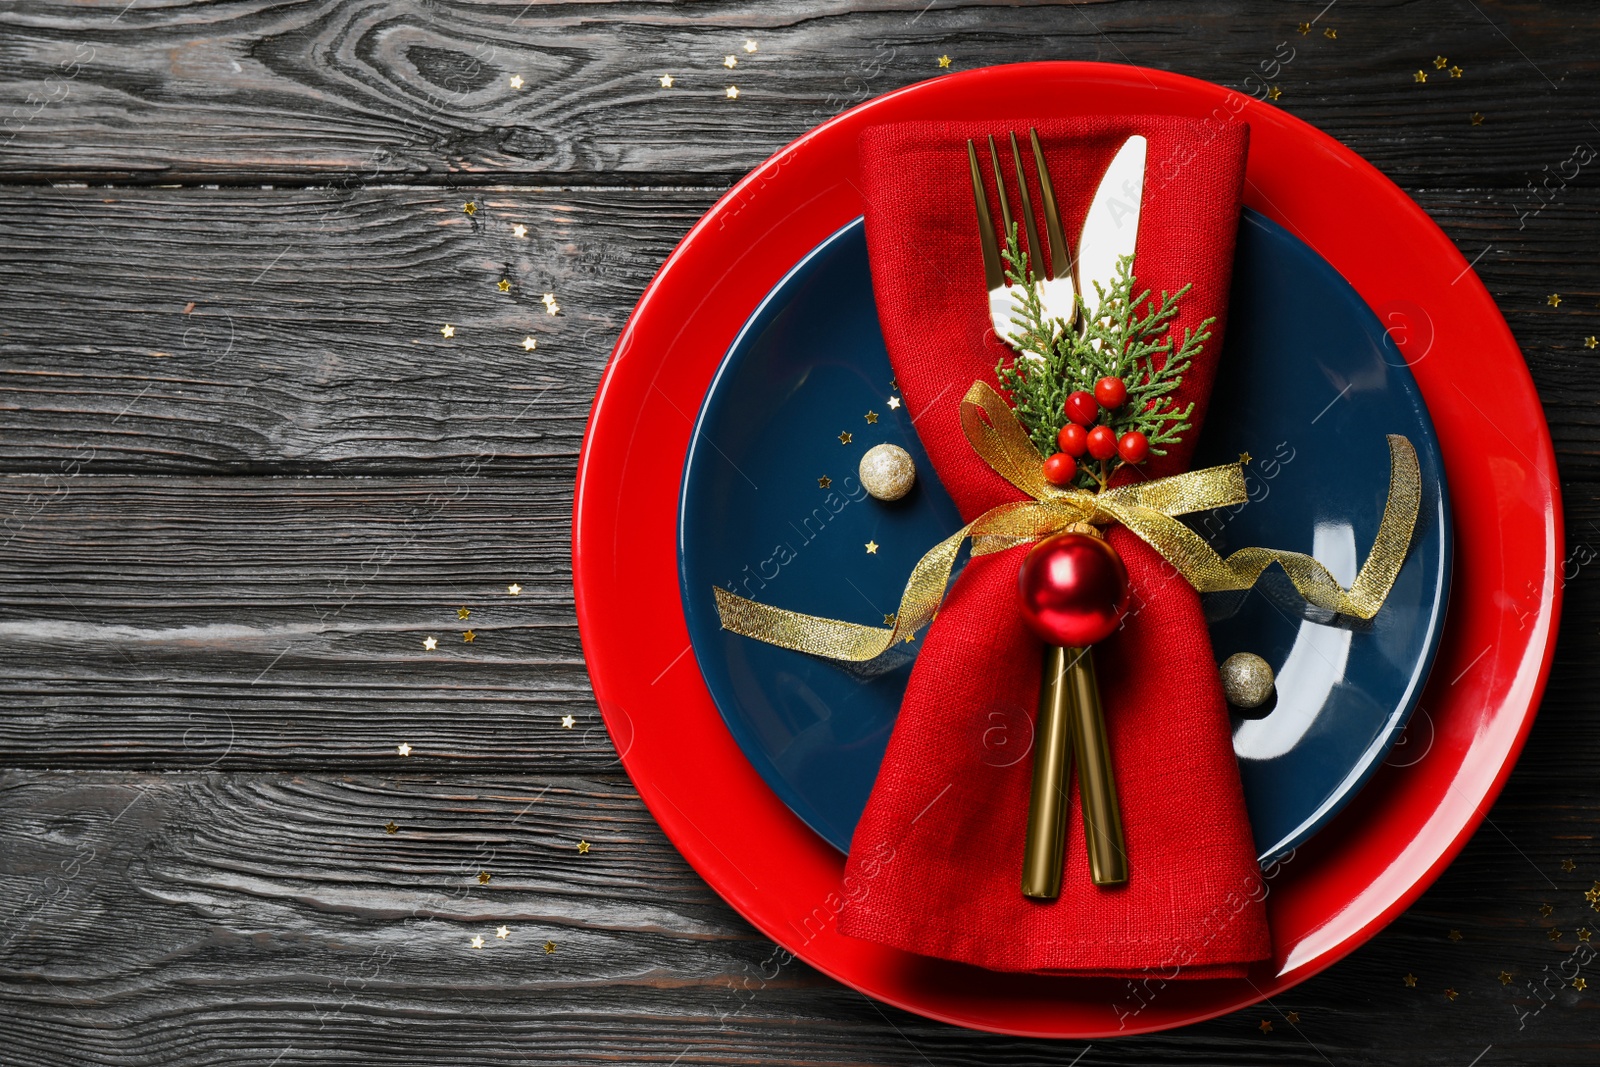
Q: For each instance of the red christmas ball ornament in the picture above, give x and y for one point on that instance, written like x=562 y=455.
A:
x=1073 y=440
x=1111 y=392
x=1082 y=408
x=1102 y=442
x=1060 y=469
x=1133 y=447
x=1074 y=589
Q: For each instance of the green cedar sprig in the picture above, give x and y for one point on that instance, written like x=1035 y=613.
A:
x=1128 y=337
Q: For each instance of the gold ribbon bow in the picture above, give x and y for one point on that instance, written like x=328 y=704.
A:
x=1147 y=509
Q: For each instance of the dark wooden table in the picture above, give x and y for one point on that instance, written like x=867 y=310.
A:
x=245 y=476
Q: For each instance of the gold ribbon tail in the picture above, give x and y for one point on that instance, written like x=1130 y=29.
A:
x=1147 y=509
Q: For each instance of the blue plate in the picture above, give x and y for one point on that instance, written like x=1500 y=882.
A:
x=1310 y=385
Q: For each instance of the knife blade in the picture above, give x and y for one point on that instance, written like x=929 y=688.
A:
x=1111 y=227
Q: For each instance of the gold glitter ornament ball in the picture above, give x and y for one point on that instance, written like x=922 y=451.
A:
x=1246 y=680
x=887 y=472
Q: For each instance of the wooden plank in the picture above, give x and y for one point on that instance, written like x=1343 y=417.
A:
x=187 y=918
x=274 y=91
x=314 y=341
x=314 y=344
x=281 y=622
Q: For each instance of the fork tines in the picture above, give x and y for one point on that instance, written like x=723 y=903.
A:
x=1051 y=243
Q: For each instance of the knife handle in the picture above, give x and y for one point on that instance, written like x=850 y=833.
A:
x=1102 y=813
x=1044 y=848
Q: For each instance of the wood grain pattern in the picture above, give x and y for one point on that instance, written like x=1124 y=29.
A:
x=396 y=89
x=314 y=343
x=228 y=527
x=207 y=917
x=242 y=620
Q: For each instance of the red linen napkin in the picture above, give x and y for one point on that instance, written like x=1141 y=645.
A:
x=936 y=862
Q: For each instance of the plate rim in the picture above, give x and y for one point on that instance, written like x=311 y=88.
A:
x=1518 y=669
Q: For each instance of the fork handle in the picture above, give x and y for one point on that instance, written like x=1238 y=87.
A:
x=1044 y=848
x=1102 y=813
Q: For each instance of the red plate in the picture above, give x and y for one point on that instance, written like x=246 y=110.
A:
x=1359 y=872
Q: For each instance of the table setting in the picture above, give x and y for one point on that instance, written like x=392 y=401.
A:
x=1003 y=369
x=796 y=532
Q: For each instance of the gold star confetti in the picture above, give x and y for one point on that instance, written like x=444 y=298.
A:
x=872 y=417
x=1554 y=300
x=1245 y=458
x=733 y=92
x=503 y=285
x=463 y=613
x=1568 y=865
x=1555 y=935
x=583 y=848
x=516 y=81
x=666 y=81
x=502 y=932
x=844 y=437
x=872 y=548
x=549 y=302
x=1420 y=76
x=470 y=207
x=430 y=643
x=1292 y=1018
x=1304 y=28
x=549 y=948
x=910 y=638
x=1477 y=118
x=1580 y=983
x=391 y=827
x=1331 y=34
x=1440 y=62
x=1454 y=935
x=448 y=330
x=529 y=344
x=750 y=46
x=894 y=402
x=513 y=588
x=1545 y=909
x=477 y=942
x=1456 y=72
x=470 y=636
x=519 y=230
x=483 y=877
x=1584 y=933
x=730 y=61
x=568 y=722
x=403 y=748
x=1451 y=994
x=1265 y=1026
x=824 y=482
x=1505 y=977
x=1591 y=341
x=944 y=62
x=1410 y=980
x=1273 y=92
x=891 y=618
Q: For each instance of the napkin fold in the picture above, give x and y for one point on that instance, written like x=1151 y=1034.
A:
x=936 y=860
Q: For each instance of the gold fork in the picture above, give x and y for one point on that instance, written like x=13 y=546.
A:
x=1058 y=286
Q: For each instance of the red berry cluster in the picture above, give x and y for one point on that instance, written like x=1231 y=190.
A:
x=1081 y=434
